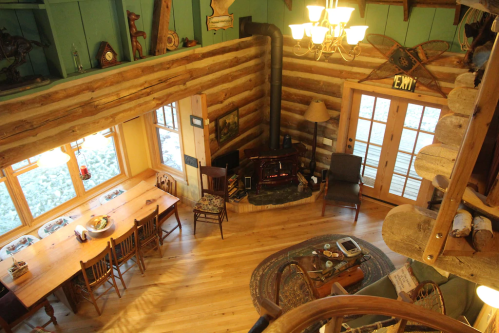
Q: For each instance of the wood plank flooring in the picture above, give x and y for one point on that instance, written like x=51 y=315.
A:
x=202 y=282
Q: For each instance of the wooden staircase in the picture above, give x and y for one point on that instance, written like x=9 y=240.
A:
x=422 y=234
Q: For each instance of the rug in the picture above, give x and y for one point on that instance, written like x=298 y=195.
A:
x=294 y=291
x=278 y=195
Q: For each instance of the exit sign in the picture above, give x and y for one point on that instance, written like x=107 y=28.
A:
x=404 y=82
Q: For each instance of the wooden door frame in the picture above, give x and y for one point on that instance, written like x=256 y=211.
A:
x=346 y=115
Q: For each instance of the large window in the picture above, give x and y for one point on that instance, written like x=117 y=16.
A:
x=167 y=147
x=28 y=191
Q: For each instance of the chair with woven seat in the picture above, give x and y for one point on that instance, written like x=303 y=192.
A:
x=344 y=182
x=124 y=249
x=167 y=183
x=13 y=312
x=148 y=234
x=95 y=273
x=213 y=199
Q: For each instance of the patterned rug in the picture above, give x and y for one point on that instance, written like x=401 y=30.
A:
x=294 y=291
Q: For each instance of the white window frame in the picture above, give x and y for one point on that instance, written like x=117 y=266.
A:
x=154 y=147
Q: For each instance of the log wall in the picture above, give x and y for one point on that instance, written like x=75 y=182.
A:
x=232 y=74
x=305 y=79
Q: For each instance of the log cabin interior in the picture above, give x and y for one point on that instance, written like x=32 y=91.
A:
x=347 y=151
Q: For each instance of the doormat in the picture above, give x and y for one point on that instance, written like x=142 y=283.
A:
x=278 y=195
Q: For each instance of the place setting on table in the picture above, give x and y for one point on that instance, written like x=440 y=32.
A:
x=52 y=261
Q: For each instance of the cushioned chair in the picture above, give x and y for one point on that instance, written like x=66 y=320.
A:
x=167 y=183
x=344 y=182
x=13 y=312
x=211 y=207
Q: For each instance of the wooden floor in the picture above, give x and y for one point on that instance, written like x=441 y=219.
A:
x=202 y=282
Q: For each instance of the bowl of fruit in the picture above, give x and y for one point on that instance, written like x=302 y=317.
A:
x=99 y=223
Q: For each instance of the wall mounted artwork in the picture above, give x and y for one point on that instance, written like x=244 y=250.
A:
x=228 y=126
x=221 y=19
x=408 y=61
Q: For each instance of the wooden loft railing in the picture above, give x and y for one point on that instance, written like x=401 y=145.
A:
x=336 y=307
x=422 y=234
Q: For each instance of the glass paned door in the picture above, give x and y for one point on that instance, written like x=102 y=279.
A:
x=388 y=132
x=418 y=131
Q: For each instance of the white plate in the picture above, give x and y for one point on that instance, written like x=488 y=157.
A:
x=90 y=224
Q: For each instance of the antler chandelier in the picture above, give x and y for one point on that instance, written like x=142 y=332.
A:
x=325 y=37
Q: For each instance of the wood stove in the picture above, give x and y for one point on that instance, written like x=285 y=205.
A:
x=274 y=167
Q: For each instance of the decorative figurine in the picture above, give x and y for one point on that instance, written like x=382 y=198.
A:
x=190 y=43
x=134 y=34
x=76 y=59
x=16 y=47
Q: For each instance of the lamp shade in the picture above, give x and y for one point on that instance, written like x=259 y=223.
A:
x=339 y=14
x=319 y=34
x=314 y=13
x=356 y=33
x=297 y=30
x=317 y=112
x=488 y=295
x=95 y=141
x=52 y=158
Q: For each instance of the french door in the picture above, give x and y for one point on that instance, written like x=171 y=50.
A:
x=388 y=132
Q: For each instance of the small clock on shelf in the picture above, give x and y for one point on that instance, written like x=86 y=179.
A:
x=106 y=55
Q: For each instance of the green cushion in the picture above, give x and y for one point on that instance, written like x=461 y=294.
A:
x=381 y=288
x=423 y=272
x=460 y=298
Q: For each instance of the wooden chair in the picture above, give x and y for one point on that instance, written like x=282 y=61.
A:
x=13 y=312
x=148 y=234
x=124 y=249
x=95 y=273
x=167 y=183
x=213 y=199
x=344 y=182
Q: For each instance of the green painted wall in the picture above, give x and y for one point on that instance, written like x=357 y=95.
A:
x=60 y=23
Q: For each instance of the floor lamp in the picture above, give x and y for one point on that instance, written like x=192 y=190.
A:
x=316 y=113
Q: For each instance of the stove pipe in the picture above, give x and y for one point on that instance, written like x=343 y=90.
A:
x=276 y=51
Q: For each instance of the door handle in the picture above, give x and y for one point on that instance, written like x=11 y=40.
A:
x=349 y=146
x=350 y=139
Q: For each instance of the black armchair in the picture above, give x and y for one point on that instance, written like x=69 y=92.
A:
x=344 y=182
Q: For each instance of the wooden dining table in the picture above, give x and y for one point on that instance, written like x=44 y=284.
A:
x=54 y=260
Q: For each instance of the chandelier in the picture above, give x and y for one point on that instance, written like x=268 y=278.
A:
x=325 y=37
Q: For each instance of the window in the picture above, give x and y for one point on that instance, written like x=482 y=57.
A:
x=103 y=162
x=9 y=217
x=168 y=152
x=27 y=191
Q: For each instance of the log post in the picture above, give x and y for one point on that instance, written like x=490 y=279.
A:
x=483 y=113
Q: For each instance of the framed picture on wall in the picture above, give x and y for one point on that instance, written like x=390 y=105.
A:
x=197 y=121
x=227 y=126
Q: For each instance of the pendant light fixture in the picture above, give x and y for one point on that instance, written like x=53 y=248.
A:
x=53 y=158
x=96 y=141
x=325 y=34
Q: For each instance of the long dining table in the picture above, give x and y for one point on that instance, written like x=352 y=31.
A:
x=54 y=260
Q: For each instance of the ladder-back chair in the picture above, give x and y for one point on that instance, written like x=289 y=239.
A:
x=212 y=204
x=148 y=234
x=124 y=249
x=167 y=183
x=94 y=273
